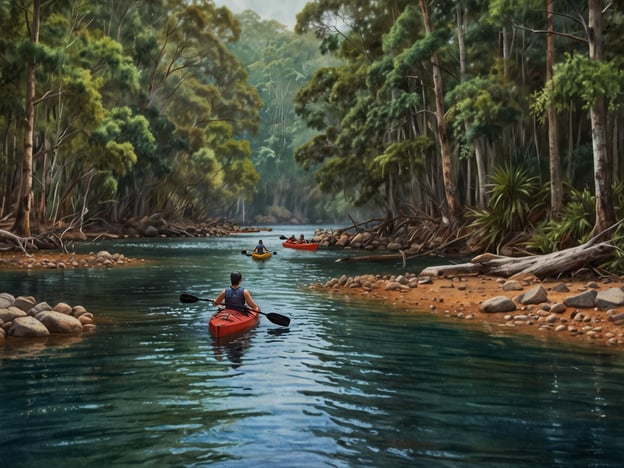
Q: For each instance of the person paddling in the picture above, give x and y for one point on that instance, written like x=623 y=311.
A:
x=235 y=296
x=260 y=248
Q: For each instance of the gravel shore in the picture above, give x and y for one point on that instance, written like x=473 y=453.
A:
x=462 y=299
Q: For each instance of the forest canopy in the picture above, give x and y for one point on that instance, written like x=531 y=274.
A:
x=506 y=114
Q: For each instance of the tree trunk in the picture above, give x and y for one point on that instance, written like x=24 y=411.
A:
x=605 y=215
x=24 y=202
x=450 y=189
x=556 y=190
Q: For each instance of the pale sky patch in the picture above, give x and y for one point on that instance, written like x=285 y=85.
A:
x=283 y=11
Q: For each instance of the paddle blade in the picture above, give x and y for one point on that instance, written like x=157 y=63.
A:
x=278 y=319
x=187 y=298
x=283 y=237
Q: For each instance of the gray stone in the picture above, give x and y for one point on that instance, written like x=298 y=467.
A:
x=534 y=295
x=6 y=300
x=28 y=327
x=402 y=279
x=498 y=304
x=612 y=297
x=39 y=308
x=616 y=317
x=512 y=285
x=585 y=300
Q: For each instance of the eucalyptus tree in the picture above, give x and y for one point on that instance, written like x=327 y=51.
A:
x=374 y=142
x=200 y=107
x=73 y=70
x=598 y=84
x=24 y=201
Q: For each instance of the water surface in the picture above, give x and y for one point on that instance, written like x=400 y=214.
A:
x=348 y=384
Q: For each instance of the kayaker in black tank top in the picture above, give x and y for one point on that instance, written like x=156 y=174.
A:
x=236 y=297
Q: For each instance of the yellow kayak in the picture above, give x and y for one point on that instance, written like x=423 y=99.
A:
x=263 y=256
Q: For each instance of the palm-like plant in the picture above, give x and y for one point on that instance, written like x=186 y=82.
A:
x=573 y=228
x=513 y=195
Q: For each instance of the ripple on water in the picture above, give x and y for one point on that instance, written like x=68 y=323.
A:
x=347 y=384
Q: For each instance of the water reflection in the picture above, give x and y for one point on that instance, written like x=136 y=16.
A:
x=347 y=384
x=232 y=347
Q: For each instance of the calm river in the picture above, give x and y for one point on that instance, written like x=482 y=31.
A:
x=348 y=384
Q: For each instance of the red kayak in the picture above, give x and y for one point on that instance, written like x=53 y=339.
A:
x=301 y=246
x=227 y=322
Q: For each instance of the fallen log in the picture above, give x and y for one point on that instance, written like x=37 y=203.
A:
x=554 y=264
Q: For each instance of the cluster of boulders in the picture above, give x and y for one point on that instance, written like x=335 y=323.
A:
x=590 y=313
x=581 y=314
x=156 y=225
x=56 y=260
x=24 y=317
x=367 y=240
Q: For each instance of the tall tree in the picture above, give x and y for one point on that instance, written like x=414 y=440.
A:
x=450 y=187
x=603 y=172
x=24 y=202
x=556 y=185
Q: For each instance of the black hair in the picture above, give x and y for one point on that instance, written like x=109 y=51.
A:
x=235 y=277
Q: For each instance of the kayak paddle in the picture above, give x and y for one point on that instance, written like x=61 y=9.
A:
x=246 y=252
x=276 y=318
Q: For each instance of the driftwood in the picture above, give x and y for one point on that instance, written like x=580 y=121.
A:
x=15 y=241
x=555 y=264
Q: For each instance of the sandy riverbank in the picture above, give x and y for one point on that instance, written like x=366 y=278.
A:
x=457 y=299
x=460 y=299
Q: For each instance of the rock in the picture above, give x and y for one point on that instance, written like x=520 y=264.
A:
x=24 y=303
x=39 y=308
x=585 y=300
x=498 y=304
x=62 y=308
x=11 y=313
x=57 y=322
x=512 y=286
x=86 y=318
x=151 y=231
x=534 y=295
x=6 y=300
x=394 y=286
x=561 y=287
x=402 y=279
x=557 y=308
x=28 y=327
x=616 y=317
x=612 y=297
x=79 y=310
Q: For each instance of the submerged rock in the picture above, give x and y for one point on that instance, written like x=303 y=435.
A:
x=23 y=317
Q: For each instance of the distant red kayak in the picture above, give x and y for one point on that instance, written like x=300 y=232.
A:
x=301 y=246
x=227 y=322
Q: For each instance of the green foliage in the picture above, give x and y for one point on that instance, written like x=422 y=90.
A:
x=580 y=78
x=573 y=228
x=121 y=137
x=485 y=104
x=512 y=197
